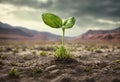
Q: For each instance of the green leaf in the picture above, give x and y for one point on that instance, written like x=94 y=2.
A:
x=52 y=20
x=69 y=23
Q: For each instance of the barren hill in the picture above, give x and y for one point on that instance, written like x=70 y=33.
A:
x=8 y=32
x=104 y=35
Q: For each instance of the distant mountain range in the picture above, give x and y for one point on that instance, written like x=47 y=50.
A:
x=8 y=32
x=104 y=35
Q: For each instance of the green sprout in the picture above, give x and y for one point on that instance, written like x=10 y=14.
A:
x=56 y=22
x=3 y=57
x=37 y=70
x=43 y=53
x=118 y=61
x=14 y=72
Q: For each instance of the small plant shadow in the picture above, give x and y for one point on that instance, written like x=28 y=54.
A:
x=64 y=61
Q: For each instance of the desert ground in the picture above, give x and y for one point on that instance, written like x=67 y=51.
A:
x=36 y=63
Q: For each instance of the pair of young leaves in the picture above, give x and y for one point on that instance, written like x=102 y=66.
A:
x=56 y=22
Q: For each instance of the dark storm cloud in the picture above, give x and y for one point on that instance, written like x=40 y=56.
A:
x=88 y=13
x=98 y=8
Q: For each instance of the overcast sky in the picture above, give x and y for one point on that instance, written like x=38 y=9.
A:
x=89 y=14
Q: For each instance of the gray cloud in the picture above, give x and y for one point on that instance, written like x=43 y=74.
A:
x=29 y=3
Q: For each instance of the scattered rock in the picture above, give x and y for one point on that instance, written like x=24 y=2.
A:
x=80 y=68
x=52 y=67
x=102 y=64
x=98 y=51
x=55 y=71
